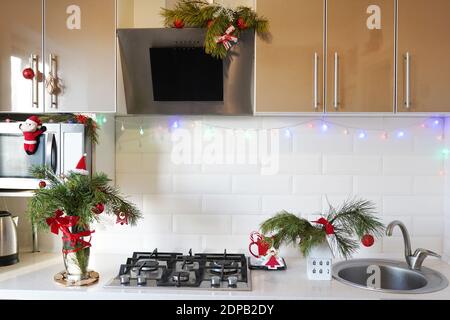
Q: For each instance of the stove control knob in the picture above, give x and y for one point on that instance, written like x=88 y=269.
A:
x=215 y=282
x=141 y=280
x=124 y=279
x=232 y=281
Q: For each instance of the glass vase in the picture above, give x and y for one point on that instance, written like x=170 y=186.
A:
x=76 y=258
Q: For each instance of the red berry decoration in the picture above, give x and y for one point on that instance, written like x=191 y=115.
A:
x=42 y=184
x=241 y=24
x=28 y=73
x=367 y=240
x=210 y=23
x=178 y=23
x=99 y=208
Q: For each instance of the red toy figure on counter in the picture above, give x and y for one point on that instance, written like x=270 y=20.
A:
x=272 y=263
x=32 y=129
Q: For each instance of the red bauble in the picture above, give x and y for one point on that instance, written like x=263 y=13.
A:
x=42 y=184
x=210 y=23
x=241 y=24
x=367 y=240
x=28 y=73
x=99 y=208
x=178 y=23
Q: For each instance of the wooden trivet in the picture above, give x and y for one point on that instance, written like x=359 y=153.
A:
x=61 y=278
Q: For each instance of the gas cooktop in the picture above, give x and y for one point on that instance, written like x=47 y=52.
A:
x=212 y=271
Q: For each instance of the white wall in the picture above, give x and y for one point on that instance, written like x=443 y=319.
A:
x=446 y=238
x=212 y=207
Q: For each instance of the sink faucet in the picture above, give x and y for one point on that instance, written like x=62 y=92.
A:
x=414 y=260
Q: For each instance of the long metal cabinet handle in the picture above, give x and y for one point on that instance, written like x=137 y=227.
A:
x=336 y=81
x=35 y=90
x=53 y=74
x=408 y=80
x=316 y=80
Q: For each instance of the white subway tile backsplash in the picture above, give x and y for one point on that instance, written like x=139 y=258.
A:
x=163 y=163
x=428 y=226
x=139 y=183
x=210 y=207
x=412 y=165
x=202 y=224
x=429 y=185
x=413 y=205
x=257 y=184
x=245 y=224
x=338 y=164
x=319 y=142
x=172 y=204
x=400 y=185
x=202 y=184
x=231 y=204
x=306 y=184
x=295 y=204
x=300 y=164
x=218 y=243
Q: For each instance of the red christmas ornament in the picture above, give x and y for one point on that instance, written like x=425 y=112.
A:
x=178 y=23
x=367 y=240
x=241 y=23
x=99 y=208
x=210 y=23
x=82 y=119
x=42 y=184
x=28 y=74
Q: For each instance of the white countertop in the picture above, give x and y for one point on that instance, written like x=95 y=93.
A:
x=32 y=278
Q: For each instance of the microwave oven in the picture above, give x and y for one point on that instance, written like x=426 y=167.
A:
x=60 y=148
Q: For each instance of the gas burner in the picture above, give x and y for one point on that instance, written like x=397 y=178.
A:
x=181 y=276
x=207 y=271
x=224 y=266
x=148 y=265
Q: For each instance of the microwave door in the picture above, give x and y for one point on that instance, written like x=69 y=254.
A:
x=15 y=163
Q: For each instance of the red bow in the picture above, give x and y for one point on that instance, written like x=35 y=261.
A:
x=329 y=229
x=227 y=38
x=75 y=239
x=64 y=223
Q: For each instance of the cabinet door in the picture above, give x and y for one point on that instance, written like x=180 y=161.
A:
x=423 y=56
x=360 y=55
x=81 y=36
x=289 y=67
x=20 y=38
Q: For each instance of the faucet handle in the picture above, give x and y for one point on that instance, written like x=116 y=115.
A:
x=416 y=260
x=426 y=252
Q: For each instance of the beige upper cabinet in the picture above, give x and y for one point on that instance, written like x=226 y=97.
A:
x=20 y=39
x=423 y=56
x=289 y=67
x=81 y=37
x=360 y=55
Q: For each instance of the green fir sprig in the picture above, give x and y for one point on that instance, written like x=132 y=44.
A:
x=353 y=219
x=216 y=18
x=76 y=195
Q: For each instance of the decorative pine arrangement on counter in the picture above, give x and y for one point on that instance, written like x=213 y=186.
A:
x=70 y=204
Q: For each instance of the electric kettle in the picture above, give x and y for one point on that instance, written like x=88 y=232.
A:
x=8 y=239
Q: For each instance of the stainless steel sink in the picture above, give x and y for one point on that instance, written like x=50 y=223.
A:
x=388 y=276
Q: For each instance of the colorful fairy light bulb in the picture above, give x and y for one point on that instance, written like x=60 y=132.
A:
x=324 y=127
x=384 y=135
x=175 y=125
x=346 y=132
x=287 y=133
x=122 y=127
x=362 y=135
x=141 y=131
x=400 y=134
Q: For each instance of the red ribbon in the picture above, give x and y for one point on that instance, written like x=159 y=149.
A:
x=227 y=38
x=329 y=229
x=64 y=223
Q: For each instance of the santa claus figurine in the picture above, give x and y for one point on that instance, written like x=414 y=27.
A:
x=32 y=129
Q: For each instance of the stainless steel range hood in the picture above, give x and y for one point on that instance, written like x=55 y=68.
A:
x=238 y=72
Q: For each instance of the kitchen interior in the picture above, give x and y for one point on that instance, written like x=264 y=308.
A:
x=344 y=102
